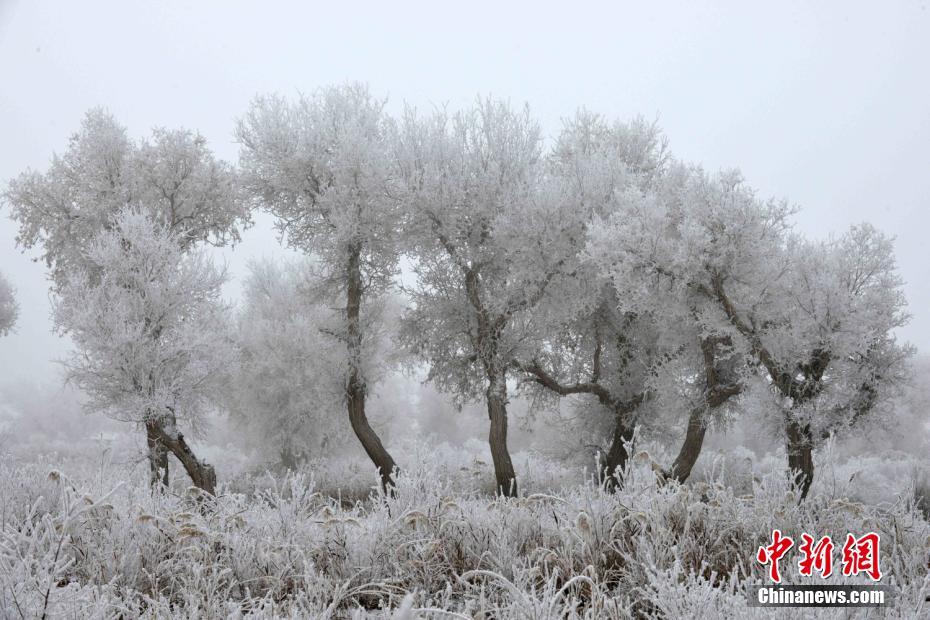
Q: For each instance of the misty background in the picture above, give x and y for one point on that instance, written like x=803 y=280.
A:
x=827 y=105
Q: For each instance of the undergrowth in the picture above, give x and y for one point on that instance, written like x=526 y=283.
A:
x=96 y=545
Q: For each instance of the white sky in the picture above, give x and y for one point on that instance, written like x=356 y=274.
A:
x=827 y=105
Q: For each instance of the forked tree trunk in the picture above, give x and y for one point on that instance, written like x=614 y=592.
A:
x=800 y=448
x=617 y=455
x=719 y=387
x=201 y=474
x=489 y=332
x=355 y=383
x=504 y=475
x=610 y=467
x=799 y=438
x=158 y=459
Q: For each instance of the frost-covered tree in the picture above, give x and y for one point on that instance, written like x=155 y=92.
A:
x=634 y=344
x=655 y=244
x=9 y=309
x=828 y=345
x=489 y=238
x=172 y=178
x=323 y=166
x=818 y=318
x=591 y=340
x=289 y=382
x=147 y=321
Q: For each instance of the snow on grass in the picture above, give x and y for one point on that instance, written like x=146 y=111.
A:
x=93 y=543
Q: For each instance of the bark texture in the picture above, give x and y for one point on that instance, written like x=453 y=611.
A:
x=504 y=475
x=617 y=455
x=691 y=446
x=485 y=341
x=356 y=388
x=800 y=454
x=158 y=459
x=201 y=474
x=719 y=386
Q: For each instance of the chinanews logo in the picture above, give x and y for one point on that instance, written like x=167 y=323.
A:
x=859 y=556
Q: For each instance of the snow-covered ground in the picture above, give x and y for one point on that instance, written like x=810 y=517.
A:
x=81 y=538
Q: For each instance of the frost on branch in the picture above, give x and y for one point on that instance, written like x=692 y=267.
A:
x=815 y=319
x=148 y=331
x=149 y=328
x=167 y=194
x=323 y=166
x=290 y=375
x=490 y=241
x=172 y=176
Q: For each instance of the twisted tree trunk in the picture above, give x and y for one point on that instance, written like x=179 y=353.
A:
x=496 y=394
x=201 y=474
x=691 y=446
x=719 y=387
x=355 y=383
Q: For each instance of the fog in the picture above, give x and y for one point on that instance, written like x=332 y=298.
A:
x=828 y=106
x=825 y=104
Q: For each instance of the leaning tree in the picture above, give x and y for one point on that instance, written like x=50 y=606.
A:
x=147 y=322
x=171 y=177
x=323 y=166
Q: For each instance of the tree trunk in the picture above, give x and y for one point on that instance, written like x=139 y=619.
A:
x=505 y=477
x=355 y=384
x=489 y=332
x=691 y=447
x=617 y=455
x=799 y=437
x=800 y=455
x=158 y=459
x=366 y=435
x=288 y=458
x=201 y=474
x=720 y=385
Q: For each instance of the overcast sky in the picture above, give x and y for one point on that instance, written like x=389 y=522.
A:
x=826 y=105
